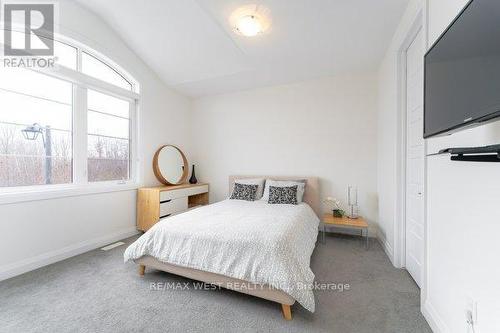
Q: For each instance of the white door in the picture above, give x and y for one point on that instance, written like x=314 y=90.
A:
x=415 y=158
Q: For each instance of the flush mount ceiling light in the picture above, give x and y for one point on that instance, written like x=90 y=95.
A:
x=249 y=26
x=250 y=20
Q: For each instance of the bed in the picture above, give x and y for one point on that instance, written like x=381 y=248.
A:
x=255 y=248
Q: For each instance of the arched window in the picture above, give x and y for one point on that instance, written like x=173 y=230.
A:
x=74 y=123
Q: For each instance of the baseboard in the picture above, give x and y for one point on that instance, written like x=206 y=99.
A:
x=51 y=257
x=433 y=319
x=386 y=246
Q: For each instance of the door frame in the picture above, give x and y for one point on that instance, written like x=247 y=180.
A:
x=416 y=26
x=418 y=21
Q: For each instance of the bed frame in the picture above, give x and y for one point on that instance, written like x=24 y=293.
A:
x=311 y=197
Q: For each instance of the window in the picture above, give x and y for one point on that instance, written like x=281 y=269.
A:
x=62 y=126
x=65 y=54
x=97 y=68
x=43 y=156
x=108 y=137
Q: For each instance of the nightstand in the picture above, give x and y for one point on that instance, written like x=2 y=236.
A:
x=343 y=222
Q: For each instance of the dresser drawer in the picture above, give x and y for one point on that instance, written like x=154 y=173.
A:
x=173 y=206
x=154 y=203
x=183 y=192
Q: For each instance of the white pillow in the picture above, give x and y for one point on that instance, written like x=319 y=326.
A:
x=253 y=181
x=301 y=187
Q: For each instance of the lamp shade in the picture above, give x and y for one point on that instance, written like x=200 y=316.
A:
x=352 y=195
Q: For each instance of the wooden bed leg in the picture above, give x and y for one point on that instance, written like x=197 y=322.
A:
x=142 y=268
x=287 y=311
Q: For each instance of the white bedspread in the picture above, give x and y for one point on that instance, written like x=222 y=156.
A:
x=252 y=241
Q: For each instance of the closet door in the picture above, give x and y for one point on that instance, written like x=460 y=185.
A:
x=415 y=158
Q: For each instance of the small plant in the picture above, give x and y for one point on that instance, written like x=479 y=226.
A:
x=336 y=206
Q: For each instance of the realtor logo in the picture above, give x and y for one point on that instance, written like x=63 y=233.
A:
x=38 y=21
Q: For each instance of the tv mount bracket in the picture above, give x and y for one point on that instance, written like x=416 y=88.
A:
x=474 y=154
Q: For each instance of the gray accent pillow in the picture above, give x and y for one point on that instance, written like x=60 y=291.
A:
x=244 y=192
x=301 y=187
x=253 y=181
x=283 y=195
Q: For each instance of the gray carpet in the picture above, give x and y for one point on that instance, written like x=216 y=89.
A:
x=97 y=292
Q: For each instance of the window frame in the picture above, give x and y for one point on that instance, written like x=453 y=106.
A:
x=81 y=83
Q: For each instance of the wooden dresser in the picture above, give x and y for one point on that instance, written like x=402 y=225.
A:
x=154 y=203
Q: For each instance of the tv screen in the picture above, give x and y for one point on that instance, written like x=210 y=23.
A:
x=462 y=71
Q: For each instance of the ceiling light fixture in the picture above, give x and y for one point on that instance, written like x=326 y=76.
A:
x=249 y=26
x=250 y=20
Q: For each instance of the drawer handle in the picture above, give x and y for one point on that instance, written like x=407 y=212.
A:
x=165 y=215
x=165 y=201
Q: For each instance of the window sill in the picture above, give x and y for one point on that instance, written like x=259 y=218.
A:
x=61 y=191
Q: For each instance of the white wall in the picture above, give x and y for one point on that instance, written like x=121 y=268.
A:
x=321 y=128
x=462 y=218
x=462 y=198
x=39 y=232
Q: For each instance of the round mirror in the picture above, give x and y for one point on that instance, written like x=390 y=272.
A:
x=170 y=165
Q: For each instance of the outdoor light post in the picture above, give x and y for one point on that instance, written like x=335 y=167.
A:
x=31 y=133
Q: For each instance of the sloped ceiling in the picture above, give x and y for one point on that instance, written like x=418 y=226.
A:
x=191 y=45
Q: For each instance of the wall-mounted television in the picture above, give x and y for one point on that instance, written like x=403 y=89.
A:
x=462 y=71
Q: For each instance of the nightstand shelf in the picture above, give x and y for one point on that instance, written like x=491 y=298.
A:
x=343 y=222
